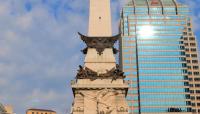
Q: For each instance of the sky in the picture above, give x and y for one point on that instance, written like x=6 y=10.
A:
x=40 y=49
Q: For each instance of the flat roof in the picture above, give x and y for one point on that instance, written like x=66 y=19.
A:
x=36 y=109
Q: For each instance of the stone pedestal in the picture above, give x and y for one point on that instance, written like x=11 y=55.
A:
x=104 y=96
x=100 y=63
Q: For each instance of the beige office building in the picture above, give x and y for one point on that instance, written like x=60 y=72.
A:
x=6 y=109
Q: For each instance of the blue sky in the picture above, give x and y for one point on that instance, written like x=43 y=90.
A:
x=40 y=50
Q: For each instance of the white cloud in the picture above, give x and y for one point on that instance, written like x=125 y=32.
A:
x=4 y=8
x=24 y=22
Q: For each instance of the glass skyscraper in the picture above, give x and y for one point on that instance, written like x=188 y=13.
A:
x=158 y=53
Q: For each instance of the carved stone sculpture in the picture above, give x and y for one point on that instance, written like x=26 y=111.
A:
x=99 y=43
x=86 y=73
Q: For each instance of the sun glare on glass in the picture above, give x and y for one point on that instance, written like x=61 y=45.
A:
x=146 y=31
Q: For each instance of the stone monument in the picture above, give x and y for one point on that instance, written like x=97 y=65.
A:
x=99 y=87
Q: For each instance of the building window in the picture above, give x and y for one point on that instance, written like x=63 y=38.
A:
x=186 y=49
x=192 y=44
x=194 y=61
x=190 y=73
x=191 y=85
x=188 y=61
x=197 y=91
x=192 y=97
x=196 y=73
x=188 y=102
x=194 y=55
x=198 y=104
x=193 y=104
x=191 y=91
x=193 y=49
x=189 y=29
x=186 y=77
x=198 y=98
x=190 y=79
x=187 y=55
x=192 y=38
x=32 y=112
x=186 y=44
x=185 y=38
x=197 y=85
x=196 y=79
x=193 y=110
x=195 y=67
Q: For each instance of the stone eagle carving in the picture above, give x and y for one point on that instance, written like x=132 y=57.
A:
x=86 y=73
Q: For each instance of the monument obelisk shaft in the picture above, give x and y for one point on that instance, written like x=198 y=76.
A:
x=100 y=26
x=100 y=18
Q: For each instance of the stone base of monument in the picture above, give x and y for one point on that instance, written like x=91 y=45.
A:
x=100 y=96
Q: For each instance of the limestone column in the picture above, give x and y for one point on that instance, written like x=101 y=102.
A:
x=100 y=26
x=100 y=18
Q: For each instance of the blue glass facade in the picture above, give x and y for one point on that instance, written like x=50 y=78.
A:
x=153 y=57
